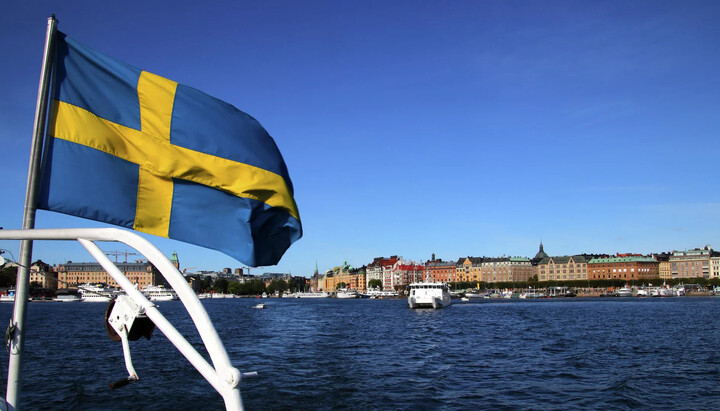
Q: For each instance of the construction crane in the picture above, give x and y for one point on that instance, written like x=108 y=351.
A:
x=117 y=253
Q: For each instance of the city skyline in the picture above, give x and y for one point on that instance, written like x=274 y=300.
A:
x=421 y=128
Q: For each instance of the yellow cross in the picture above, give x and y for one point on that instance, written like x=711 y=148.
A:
x=160 y=161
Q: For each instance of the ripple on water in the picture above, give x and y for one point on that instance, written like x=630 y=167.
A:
x=378 y=354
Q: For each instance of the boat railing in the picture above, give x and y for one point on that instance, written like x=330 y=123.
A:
x=221 y=375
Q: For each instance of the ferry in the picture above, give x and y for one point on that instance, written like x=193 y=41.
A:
x=430 y=295
x=96 y=293
x=344 y=294
x=159 y=293
x=312 y=295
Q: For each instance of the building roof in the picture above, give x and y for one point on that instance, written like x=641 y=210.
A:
x=578 y=259
x=630 y=259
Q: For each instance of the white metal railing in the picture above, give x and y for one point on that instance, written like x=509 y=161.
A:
x=221 y=374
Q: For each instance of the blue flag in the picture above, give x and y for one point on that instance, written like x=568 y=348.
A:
x=134 y=149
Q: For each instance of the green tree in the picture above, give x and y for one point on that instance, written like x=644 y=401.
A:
x=277 y=285
x=235 y=288
x=375 y=283
x=220 y=285
x=7 y=276
x=340 y=285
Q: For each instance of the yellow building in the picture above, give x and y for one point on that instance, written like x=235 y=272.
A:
x=352 y=278
x=43 y=274
x=71 y=274
x=469 y=269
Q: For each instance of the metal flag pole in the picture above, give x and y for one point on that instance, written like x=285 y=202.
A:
x=16 y=329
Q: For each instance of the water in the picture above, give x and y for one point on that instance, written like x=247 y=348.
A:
x=377 y=354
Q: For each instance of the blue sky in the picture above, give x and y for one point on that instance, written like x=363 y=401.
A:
x=417 y=127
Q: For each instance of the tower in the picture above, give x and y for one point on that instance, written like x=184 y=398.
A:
x=174 y=260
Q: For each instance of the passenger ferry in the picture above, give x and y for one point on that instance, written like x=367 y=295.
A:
x=159 y=293
x=96 y=293
x=430 y=295
x=344 y=294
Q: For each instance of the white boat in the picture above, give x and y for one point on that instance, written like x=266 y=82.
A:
x=475 y=295
x=96 y=293
x=624 y=292
x=67 y=297
x=382 y=293
x=432 y=295
x=344 y=294
x=9 y=297
x=159 y=293
x=312 y=295
x=260 y=306
x=222 y=295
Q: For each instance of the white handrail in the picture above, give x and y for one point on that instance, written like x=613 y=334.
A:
x=221 y=374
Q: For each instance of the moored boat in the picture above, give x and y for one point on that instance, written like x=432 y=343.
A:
x=67 y=296
x=345 y=294
x=159 y=293
x=624 y=292
x=8 y=297
x=312 y=295
x=96 y=293
x=429 y=295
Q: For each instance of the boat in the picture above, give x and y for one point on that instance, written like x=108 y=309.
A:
x=312 y=295
x=475 y=295
x=159 y=293
x=624 y=292
x=8 y=297
x=464 y=299
x=345 y=294
x=429 y=295
x=382 y=293
x=260 y=306
x=555 y=292
x=67 y=296
x=96 y=293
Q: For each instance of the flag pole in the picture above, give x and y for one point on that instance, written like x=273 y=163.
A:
x=17 y=327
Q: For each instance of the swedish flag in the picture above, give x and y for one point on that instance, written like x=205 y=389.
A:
x=134 y=149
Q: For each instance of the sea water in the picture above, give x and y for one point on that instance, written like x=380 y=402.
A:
x=615 y=353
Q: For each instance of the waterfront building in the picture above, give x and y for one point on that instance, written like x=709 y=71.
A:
x=539 y=256
x=715 y=266
x=43 y=274
x=504 y=269
x=345 y=276
x=406 y=273
x=469 y=269
x=562 y=268
x=141 y=273
x=440 y=271
x=664 y=267
x=692 y=263
x=626 y=268
x=374 y=270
